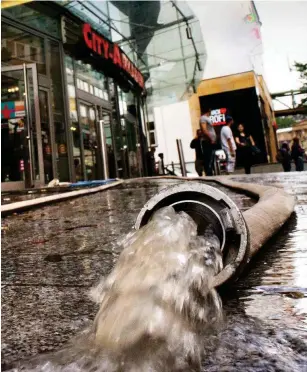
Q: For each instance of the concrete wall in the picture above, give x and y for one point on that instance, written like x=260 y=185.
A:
x=172 y=122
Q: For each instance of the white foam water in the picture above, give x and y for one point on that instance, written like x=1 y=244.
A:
x=156 y=304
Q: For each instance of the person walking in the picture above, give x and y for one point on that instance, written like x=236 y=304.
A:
x=297 y=154
x=244 y=143
x=284 y=157
x=197 y=145
x=151 y=162
x=229 y=145
x=209 y=141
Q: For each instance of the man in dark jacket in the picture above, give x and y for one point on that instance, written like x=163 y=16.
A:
x=197 y=144
x=284 y=157
x=297 y=153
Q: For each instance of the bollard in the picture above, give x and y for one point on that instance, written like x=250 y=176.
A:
x=181 y=158
x=209 y=207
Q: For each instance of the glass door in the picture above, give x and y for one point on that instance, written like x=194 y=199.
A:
x=109 y=146
x=21 y=145
x=48 y=136
x=90 y=142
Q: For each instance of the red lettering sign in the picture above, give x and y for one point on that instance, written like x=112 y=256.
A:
x=86 y=34
x=117 y=56
x=102 y=47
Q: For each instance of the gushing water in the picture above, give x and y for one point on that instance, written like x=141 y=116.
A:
x=155 y=306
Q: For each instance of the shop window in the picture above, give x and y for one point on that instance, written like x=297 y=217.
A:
x=34 y=54
x=20 y=47
x=20 y=50
x=38 y=18
x=151 y=134
x=130 y=132
x=58 y=112
x=73 y=116
x=151 y=126
x=89 y=137
x=71 y=91
x=91 y=81
x=46 y=135
x=152 y=139
x=85 y=87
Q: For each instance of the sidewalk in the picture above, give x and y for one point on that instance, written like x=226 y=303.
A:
x=268 y=168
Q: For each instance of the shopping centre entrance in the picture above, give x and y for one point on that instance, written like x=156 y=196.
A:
x=22 y=163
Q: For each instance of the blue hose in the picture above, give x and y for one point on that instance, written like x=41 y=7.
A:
x=92 y=183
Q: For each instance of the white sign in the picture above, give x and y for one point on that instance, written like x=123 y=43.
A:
x=218 y=116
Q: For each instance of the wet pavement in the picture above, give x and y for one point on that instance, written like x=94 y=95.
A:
x=14 y=197
x=52 y=256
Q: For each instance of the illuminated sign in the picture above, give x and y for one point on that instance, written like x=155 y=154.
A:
x=12 y=109
x=111 y=51
x=218 y=117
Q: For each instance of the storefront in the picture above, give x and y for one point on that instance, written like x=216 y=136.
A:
x=71 y=109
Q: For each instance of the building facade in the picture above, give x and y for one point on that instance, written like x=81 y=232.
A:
x=233 y=75
x=80 y=81
x=299 y=130
x=88 y=86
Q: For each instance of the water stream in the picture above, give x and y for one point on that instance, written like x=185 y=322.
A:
x=155 y=306
x=45 y=303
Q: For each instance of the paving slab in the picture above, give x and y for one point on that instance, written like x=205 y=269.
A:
x=53 y=255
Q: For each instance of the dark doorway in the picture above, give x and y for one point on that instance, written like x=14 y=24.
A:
x=243 y=106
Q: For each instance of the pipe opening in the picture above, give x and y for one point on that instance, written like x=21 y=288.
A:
x=212 y=211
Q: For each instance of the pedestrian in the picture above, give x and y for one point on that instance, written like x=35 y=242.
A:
x=151 y=163
x=284 y=157
x=297 y=154
x=161 y=164
x=197 y=145
x=244 y=143
x=78 y=169
x=229 y=145
x=209 y=141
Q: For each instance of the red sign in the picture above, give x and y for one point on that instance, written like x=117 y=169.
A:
x=111 y=51
x=218 y=117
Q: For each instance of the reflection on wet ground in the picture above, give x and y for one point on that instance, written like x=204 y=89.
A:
x=52 y=256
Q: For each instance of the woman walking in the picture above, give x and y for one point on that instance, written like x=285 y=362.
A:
x=245 y=152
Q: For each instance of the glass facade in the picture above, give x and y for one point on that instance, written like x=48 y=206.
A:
x=73 y=118
x=164 y=39
x=19 y=47
x=85 y=121
x=91 y=81
x=57 y=99
x=34 y=62
x=35 y=16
